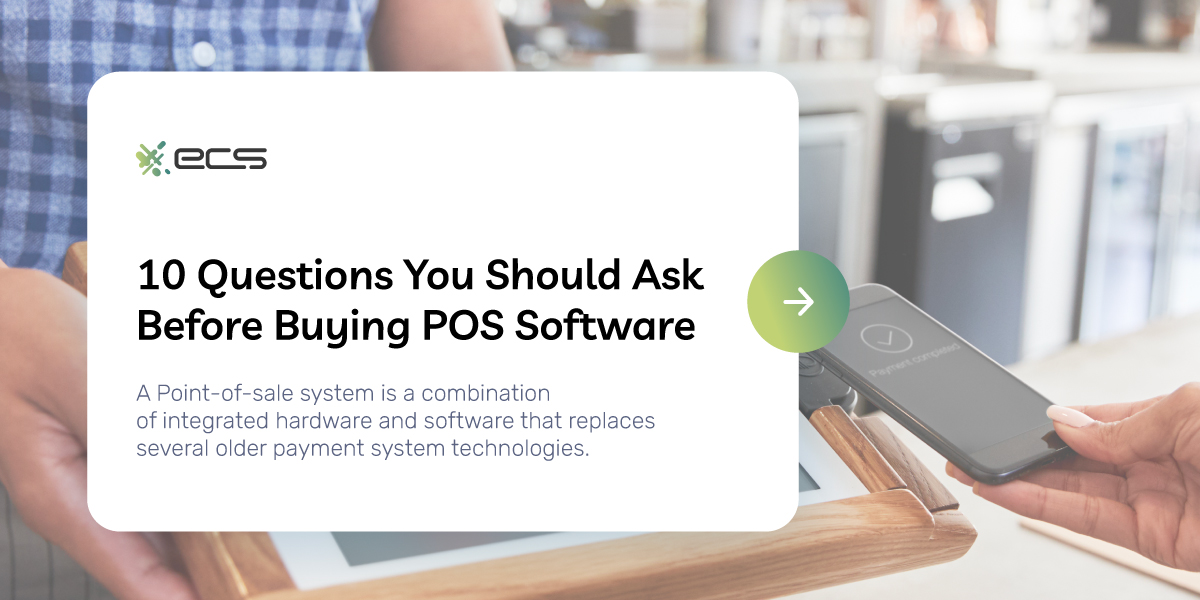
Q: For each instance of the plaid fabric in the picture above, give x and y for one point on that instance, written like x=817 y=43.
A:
x=52 y=51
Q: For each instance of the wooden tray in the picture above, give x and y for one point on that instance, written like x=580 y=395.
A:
x=908 y=520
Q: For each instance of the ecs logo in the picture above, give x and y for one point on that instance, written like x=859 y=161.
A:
x=150 y=159
x=218 y=158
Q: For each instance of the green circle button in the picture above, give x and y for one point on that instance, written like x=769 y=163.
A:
x=798 y=301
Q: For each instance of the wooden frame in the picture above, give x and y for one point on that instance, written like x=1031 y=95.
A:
x=908 y=520
x=897 y=527
x=75 y=267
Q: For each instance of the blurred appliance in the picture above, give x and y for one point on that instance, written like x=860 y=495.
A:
x=608 y=27
x=1184 y=289
x=954 y=206
x=1116 y=215
x=1148 y=22
x=1134 y=220
x=831 y=177
x=795 y=30
x=1118 y=21
x=841 y=121
x=734 y=27
x=674 y=28
x=1032 y=26
x=669 y=28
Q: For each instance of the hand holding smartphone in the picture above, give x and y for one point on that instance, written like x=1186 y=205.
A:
x=963 y=404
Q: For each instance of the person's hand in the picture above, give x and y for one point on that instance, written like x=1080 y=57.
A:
x=43 y=437
x=1135 y=483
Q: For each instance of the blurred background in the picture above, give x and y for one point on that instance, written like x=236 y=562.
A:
x=1026 y=171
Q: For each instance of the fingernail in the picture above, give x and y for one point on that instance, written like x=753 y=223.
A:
x=1069 y=416
x=975 y=488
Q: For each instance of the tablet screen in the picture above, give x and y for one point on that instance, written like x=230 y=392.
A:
x=320 y=559
x=365 y=547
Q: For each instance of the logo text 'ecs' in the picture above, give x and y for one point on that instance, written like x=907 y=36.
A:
x=215 y=158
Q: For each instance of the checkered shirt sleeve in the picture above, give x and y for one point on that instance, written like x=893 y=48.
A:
x=52 y=51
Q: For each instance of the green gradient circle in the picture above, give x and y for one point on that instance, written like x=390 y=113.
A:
x=778 y=322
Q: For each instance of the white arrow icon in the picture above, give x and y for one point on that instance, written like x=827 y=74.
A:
x=806 y=302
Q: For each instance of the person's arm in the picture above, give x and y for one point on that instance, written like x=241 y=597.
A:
x=438 y=35
x=43 y=437
x=1135 y=483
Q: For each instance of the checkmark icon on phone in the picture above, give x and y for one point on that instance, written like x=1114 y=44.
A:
x=886 y=338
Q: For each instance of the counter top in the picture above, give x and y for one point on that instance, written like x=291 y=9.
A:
x=1101 y=70
x=821 y=86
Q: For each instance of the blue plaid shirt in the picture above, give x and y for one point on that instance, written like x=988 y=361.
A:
x=52 y=51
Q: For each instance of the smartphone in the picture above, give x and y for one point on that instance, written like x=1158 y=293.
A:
x=820 y=388
x=963 y=404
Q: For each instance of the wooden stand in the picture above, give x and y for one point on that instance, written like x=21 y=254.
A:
x=75 y=267
x=908 y=520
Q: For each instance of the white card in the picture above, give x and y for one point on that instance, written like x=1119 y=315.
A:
x=692 y=172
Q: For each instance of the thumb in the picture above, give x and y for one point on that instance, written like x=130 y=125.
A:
x=1146 y=434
